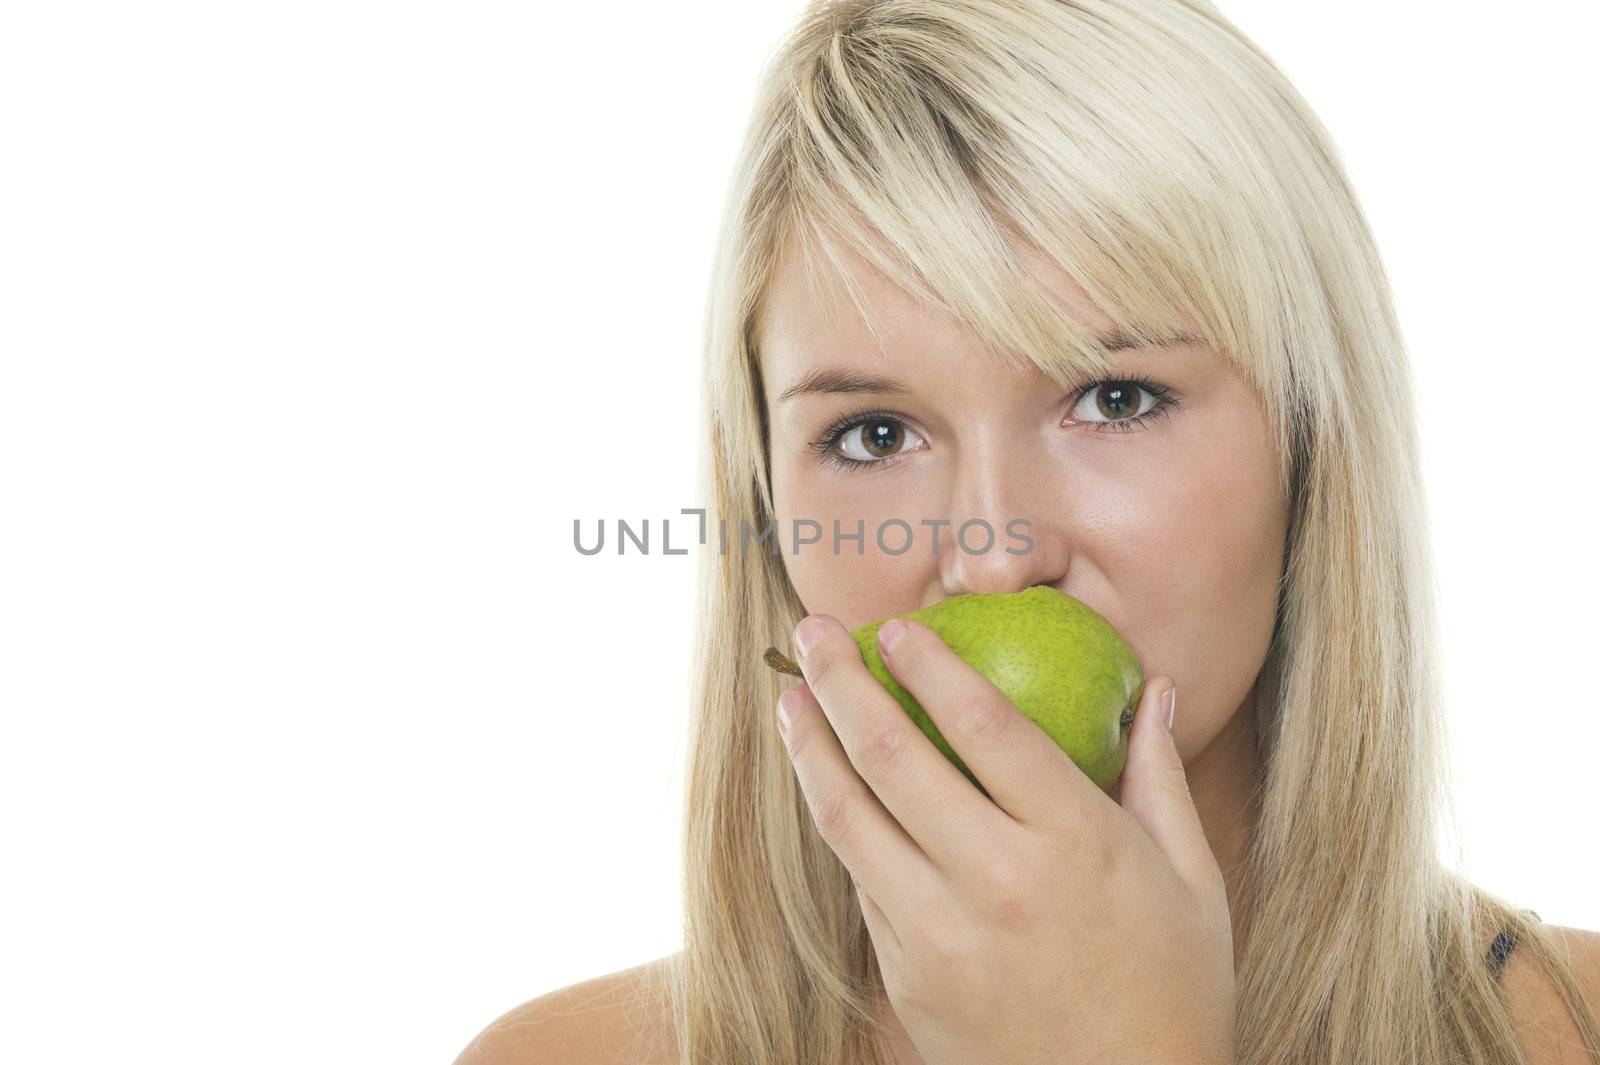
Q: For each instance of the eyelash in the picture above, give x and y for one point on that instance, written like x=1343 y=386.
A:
x=823 y=446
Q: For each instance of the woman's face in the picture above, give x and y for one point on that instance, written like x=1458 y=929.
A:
x=1171 y=525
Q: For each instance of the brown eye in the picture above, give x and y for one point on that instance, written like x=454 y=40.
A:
x=874 y=439
x=1116 y=399
x=1121 y=404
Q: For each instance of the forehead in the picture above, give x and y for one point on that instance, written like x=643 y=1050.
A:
x=812 y=309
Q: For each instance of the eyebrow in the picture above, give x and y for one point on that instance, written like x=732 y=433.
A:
x=843 y=381
x=828 y=379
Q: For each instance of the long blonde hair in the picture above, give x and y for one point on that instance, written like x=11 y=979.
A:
x=1167 y=165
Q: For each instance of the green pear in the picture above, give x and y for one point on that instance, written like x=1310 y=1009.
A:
x=1055 y=658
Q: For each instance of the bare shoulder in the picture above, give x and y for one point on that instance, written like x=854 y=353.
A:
x=621 y=1018
x=1544 y=1026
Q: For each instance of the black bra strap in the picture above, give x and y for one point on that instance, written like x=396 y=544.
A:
x=1501 y=948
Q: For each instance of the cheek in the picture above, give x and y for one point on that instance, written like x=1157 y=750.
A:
x=1196 y=568
x=1208 y=518
x=1220 y=556
x=854 y=580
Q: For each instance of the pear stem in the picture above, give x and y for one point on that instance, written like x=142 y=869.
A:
x=781 y=662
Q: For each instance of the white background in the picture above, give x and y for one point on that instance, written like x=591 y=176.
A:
x=321 y=322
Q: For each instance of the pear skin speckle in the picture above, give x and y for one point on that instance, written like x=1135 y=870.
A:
x=1054 y=657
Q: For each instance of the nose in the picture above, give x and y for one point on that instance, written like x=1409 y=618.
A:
x=1006 y=531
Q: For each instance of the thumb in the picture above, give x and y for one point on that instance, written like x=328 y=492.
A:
x=1154 y=787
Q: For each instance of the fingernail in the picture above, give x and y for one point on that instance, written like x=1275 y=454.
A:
x=789 y=704
x=1169 y=703
x=806 y=634
x=891 y=633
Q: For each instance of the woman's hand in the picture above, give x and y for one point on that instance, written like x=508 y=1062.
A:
x=1049 y=925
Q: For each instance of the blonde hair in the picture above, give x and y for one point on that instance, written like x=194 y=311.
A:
x=1167 y=165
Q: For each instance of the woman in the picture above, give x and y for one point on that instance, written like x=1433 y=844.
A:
x=1092 y=267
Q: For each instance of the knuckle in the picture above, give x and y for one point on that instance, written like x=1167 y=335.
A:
x=886 y=749
x=978 y=718
x=833 y=816
x=1009 y=897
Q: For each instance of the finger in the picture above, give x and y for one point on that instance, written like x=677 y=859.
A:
x=1155 y=789
x=935 y=804
x=885 y=940
x=876 y=850
x=1025 y=772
